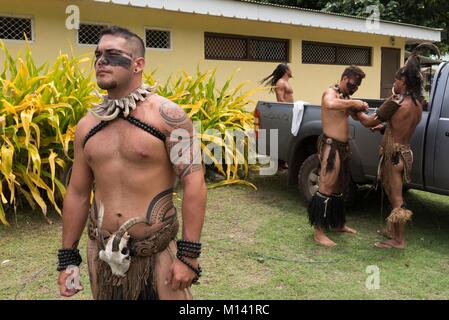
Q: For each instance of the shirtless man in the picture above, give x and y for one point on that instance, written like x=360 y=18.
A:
x=401 y=113
x=326 y=210
x=278 y=81
x=128 y=147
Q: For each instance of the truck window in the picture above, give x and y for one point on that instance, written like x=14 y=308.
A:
x=445 y=108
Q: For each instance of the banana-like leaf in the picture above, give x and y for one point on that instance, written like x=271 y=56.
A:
x=40 y=106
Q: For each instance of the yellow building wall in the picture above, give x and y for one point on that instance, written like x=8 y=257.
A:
x=308 y=82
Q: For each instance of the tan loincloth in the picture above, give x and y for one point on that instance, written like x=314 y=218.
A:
x=340 y=149
x=147 y=276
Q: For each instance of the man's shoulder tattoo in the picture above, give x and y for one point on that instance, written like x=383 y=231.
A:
x=172 y=114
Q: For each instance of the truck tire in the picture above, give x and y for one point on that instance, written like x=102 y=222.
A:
x=309 y=178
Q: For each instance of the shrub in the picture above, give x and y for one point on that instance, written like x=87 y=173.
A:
x=39 y=108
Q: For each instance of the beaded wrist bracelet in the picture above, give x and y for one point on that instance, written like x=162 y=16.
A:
x=67 y=257
x=189 y=249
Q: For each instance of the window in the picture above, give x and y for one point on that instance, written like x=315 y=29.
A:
x=234 y=47
x=157 y=38
x=15 y=28
x=328 y=53
x=89 y=34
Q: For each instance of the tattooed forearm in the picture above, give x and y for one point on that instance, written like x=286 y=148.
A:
x=184 y=171
x=75 y=244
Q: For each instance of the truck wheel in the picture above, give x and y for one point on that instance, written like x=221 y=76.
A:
x=309 y=178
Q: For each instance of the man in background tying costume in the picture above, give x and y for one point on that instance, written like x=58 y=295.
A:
x=133 y=145
x=401 y=114
x=327 y=210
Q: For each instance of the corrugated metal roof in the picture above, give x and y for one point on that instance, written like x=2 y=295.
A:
x=255 y=11
x=333 y=13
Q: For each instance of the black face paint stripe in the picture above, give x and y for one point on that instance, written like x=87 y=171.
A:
x=351 y=86
x=114 y=60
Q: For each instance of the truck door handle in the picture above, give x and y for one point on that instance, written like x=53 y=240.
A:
x=447 y=134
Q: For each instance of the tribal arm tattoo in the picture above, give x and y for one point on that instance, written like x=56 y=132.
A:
x=182 y=144
x=75 y=244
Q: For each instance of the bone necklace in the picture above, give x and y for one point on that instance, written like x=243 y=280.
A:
x=342 y=95
x=109 y=108
x=398 y=98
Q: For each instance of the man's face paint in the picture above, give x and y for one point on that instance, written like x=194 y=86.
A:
x=113 y=58
x=353 y=86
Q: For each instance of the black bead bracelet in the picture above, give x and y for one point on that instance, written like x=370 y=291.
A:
x=190 y=249
x=68 y=257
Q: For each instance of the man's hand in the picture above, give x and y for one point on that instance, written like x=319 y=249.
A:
x=181 y=276
x=361 y=106
x=379 y=127
x=68 y=282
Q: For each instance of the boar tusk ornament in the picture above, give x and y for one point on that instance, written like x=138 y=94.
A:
x=116 y=252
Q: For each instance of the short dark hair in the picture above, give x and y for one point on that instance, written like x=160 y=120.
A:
x=128 y=35
x=353 y=72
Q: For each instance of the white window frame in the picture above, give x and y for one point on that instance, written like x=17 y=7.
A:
x=158 y=29
x=33 y=34
x=91 y=23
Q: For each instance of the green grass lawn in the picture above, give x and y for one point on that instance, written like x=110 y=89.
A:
x=258 y=245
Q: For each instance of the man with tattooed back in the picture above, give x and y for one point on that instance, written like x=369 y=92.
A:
x=130 y=148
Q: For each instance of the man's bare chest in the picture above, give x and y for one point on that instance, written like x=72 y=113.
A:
x=124 y=142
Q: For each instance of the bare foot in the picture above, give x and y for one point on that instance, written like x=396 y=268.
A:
x=346 y=229
x=324 y=240
x=390 y=244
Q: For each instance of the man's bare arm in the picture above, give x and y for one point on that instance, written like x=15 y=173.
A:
x=184 y=150
x=329 y=101
x=77 y=199
x=185 y=154
x=368 y=121
x=76 y=205
x=193 y=205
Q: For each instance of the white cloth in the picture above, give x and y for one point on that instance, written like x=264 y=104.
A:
x=298 y=112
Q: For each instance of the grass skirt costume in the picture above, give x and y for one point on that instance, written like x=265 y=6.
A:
x=327 y=211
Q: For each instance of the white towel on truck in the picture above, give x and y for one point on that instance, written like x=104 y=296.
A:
x=298 y=112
